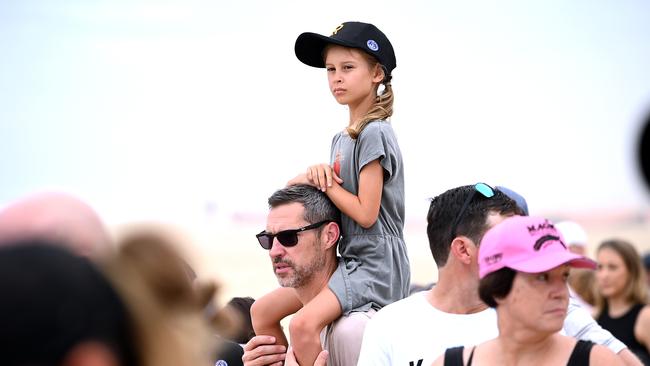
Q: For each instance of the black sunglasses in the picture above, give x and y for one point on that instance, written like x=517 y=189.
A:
x=482 y=188
x=287 y=238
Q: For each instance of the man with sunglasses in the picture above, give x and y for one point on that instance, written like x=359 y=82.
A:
x=301 y=235
x=416 y=330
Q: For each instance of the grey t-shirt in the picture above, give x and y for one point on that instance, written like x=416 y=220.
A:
x=374 y=268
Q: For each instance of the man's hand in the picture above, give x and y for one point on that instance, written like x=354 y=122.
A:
x=321 y=360
x=262 y=351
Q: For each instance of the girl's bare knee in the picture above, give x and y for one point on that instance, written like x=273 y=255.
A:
x=301 y=326
x=258 y=317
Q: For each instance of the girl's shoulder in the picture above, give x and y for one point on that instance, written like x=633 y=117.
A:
x=378 y=126
x=379 y=123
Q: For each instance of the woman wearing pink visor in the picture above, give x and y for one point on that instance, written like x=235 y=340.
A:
x=524 y=265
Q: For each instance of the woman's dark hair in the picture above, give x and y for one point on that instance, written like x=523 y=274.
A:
x=496 y=285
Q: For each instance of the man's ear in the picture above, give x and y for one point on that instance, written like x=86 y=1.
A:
x=463 y=249
x=331 y=234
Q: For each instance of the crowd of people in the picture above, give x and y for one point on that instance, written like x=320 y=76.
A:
x=512 y=289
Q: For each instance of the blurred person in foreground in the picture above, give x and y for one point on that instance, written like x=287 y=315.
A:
x=161 y=251
x=622 y=296
x=135 y=306
x=147 y=278
x=57 y=308
x=418 y=329
x=301 y=235
x=582 y=282
x=524 y=266
x=55 y=217
x=166 y=299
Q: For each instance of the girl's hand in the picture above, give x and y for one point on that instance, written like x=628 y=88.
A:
x=299 y=179
x=321 y=175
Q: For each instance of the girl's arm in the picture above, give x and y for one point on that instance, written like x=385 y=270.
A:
x=364 y=207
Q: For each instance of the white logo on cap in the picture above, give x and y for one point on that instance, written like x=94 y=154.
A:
x=221 y=363
x=372 y=45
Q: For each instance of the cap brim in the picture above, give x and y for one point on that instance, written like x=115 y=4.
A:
x=545 y=263
x=310 y=46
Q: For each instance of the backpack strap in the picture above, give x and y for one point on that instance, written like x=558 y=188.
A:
x=454 y=356
x=580 y=354
x=471 y=356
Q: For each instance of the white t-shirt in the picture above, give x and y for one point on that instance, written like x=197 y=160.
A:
x=411 y=332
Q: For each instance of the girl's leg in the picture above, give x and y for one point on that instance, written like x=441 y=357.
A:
x=306 y=325
x=270 y=309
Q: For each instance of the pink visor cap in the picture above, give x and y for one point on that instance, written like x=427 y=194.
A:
x=526 y=244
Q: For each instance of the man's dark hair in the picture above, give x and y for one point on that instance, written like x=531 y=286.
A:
x=496 y=285
x=318 y=207
x=445 y=208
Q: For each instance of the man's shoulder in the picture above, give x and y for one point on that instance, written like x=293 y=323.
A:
x=351 y=324
x=343 y=337
x=412 y=306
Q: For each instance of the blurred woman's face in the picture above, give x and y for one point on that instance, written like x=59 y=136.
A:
x=611 y=275
x=539 y=301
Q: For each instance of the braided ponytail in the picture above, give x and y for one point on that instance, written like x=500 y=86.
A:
x=382 y=108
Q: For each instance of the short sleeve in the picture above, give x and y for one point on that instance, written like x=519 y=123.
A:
x=378 y=141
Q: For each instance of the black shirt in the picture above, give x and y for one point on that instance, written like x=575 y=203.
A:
x=623 y=329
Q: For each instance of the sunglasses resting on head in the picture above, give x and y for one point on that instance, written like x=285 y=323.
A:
x=485 y=190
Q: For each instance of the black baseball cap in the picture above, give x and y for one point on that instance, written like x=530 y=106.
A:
x=363 y=36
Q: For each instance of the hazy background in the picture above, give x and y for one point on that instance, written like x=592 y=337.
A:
x=193 y=112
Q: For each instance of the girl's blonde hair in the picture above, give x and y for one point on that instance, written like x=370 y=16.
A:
x=382 y=108
x=635 y=291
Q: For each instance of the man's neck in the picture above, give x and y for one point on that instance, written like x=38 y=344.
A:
x=317 y=283
x=456 y=293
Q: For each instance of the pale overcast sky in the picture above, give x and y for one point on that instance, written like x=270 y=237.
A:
x=155 y=109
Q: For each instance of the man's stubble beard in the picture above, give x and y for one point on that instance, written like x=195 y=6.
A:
x=302 y=275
